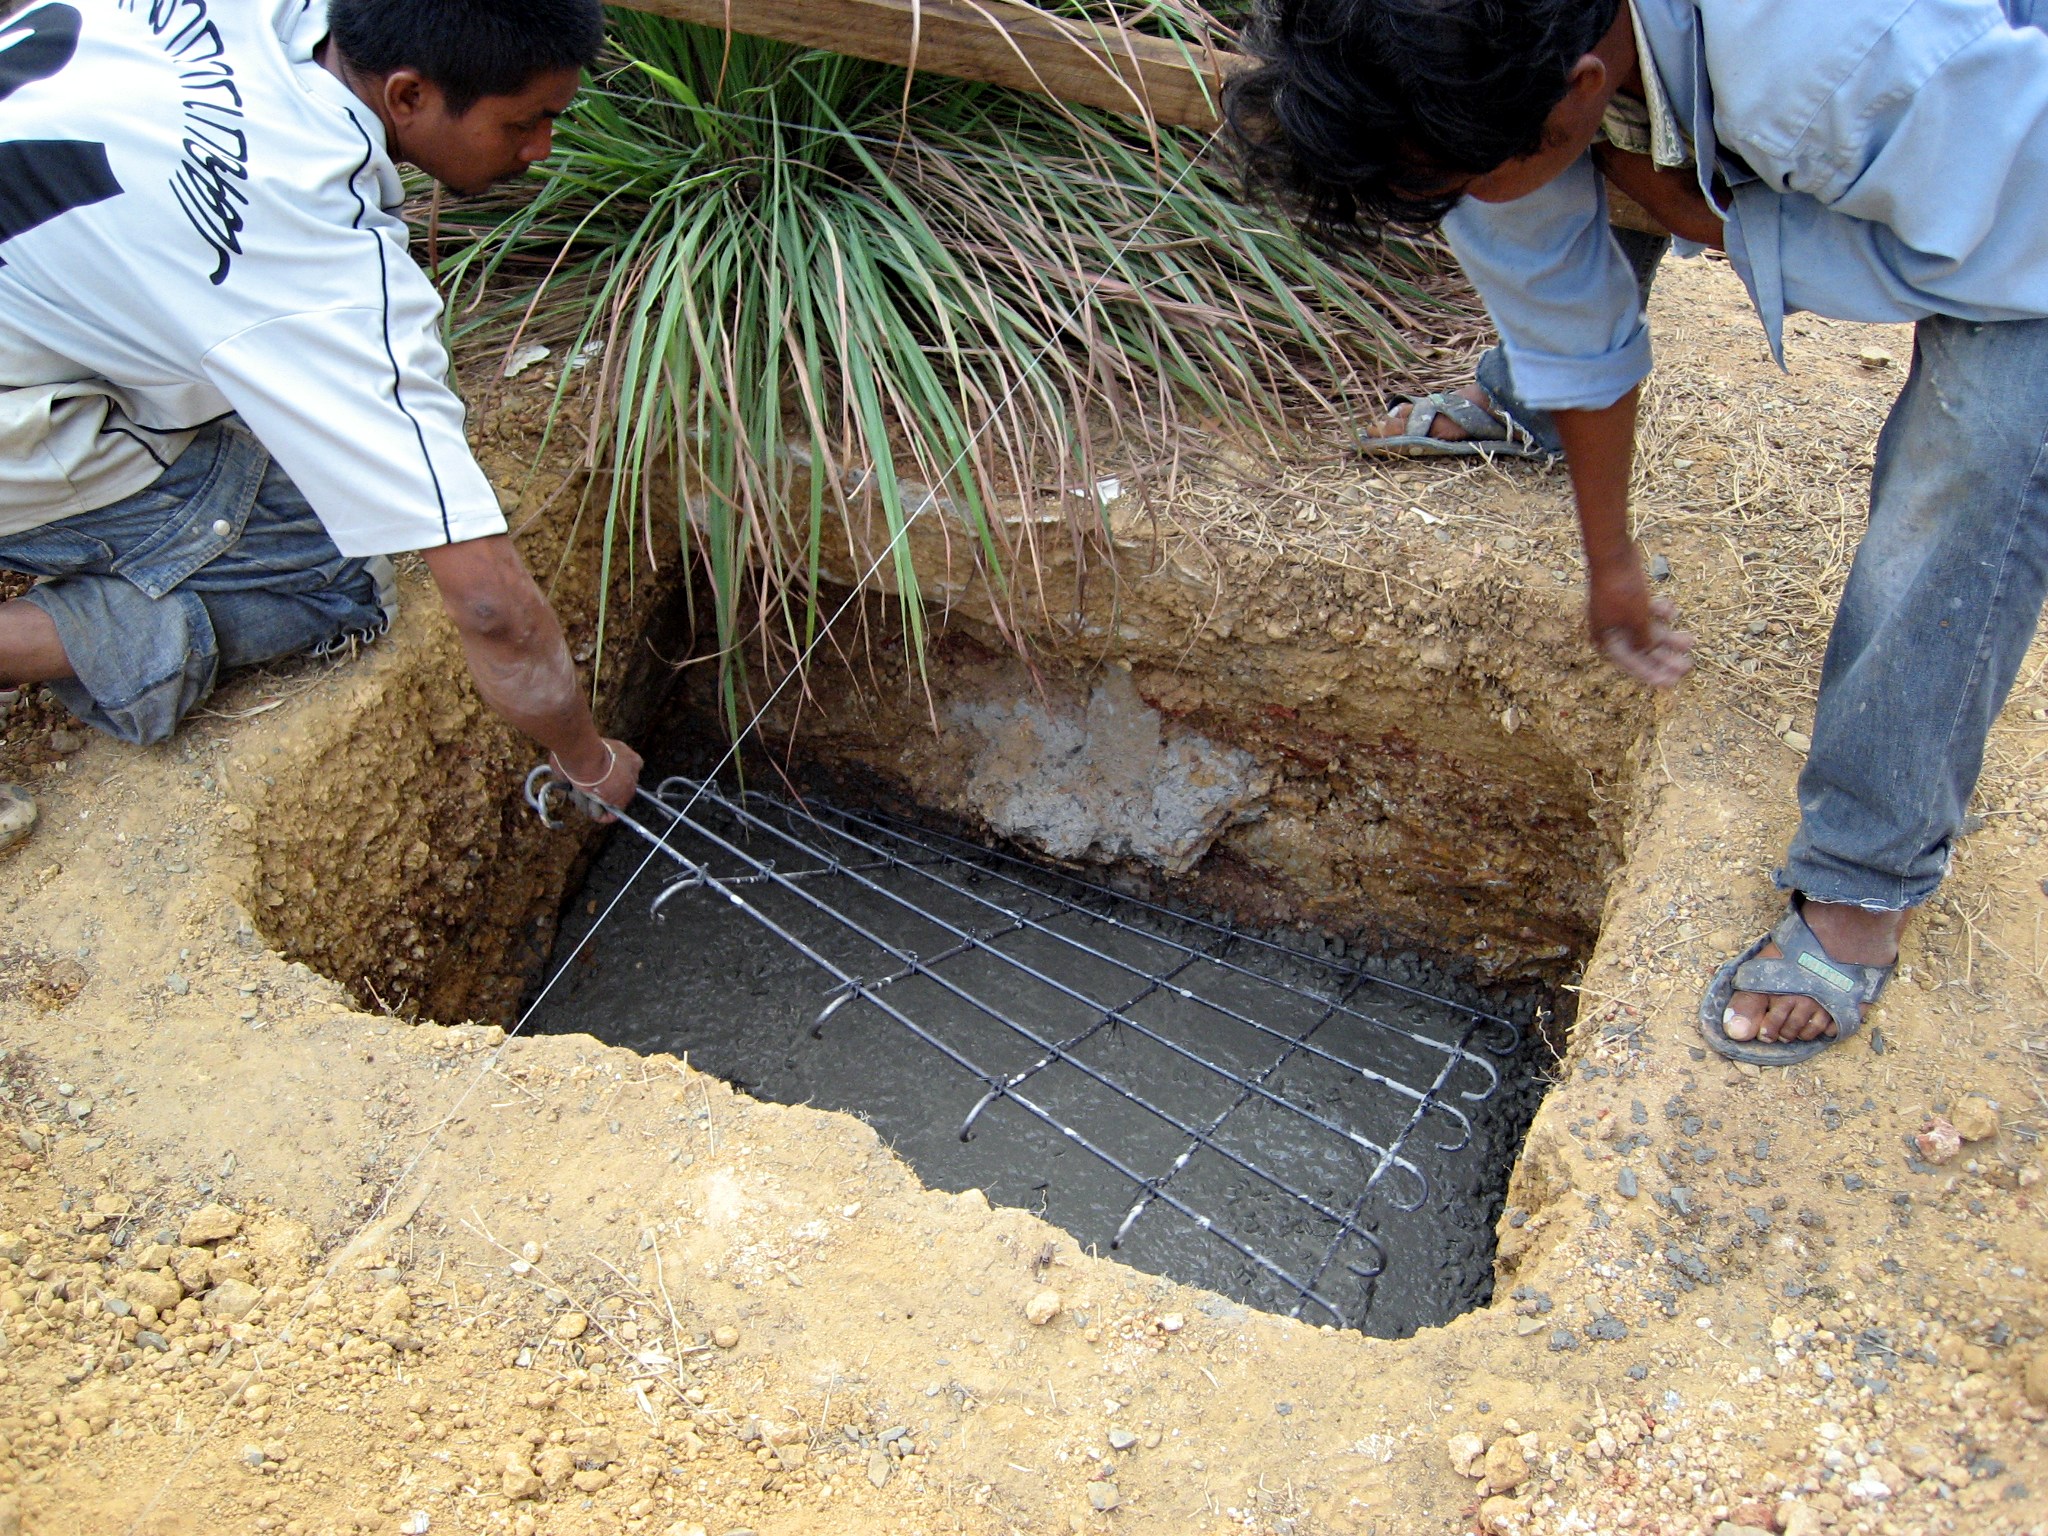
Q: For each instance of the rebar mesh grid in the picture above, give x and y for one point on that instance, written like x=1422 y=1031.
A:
x=1019 y=976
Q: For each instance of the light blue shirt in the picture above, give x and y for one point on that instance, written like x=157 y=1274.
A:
x=1881 y=160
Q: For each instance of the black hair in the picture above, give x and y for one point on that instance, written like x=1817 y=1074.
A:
x=1362 y=110
x=469 y=48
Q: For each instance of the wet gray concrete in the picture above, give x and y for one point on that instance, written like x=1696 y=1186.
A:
x=1240 y=1089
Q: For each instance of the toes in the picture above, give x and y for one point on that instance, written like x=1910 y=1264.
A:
x=1777 y=1022
x=1818 y=1023
x=1393 y=424
x=1738 y=1020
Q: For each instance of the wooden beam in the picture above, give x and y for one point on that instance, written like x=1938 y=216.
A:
x=990 y=40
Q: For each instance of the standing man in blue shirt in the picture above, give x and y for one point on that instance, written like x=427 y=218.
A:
x=1866 y=162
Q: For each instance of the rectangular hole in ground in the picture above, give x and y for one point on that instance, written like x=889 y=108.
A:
x=1293 y=1130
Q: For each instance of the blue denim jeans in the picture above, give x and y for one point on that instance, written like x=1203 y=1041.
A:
x=1645 y=254
x=220 y=563
x=1940 y=608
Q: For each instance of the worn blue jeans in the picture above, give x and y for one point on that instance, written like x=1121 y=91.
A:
x=220 y=563
x=1940 y=608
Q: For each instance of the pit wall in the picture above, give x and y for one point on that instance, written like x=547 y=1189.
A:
x=1280 y=736
x=1424 y=754
x=389 y=845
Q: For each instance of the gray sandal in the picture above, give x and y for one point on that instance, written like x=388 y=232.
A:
x=1488 y=433
x=1803 y=970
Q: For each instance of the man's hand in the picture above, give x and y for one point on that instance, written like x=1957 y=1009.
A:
x=611 y=776
x=522 y=666
x=1633 y=630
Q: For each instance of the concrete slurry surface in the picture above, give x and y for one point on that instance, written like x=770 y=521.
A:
x=705 y=981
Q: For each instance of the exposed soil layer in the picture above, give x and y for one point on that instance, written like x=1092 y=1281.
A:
x=1724 y=1296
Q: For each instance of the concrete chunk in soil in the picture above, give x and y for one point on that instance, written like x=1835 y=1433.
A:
x=1468 y=1454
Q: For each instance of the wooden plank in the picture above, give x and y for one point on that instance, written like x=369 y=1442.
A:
x=993 y=41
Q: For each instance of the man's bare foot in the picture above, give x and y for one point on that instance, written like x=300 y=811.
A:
x=1396 y=422
x=1848 y=933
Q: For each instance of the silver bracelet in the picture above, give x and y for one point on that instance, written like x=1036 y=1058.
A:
x=611 y=761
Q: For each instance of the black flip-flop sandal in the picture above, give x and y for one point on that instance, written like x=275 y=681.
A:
x=1803 y=969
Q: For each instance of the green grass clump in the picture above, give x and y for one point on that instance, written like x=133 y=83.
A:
x=905 y=284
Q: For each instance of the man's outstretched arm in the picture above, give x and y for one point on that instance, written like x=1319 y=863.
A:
x=521 y=662
x=1632 y=629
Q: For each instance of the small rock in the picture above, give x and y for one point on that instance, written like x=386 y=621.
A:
x=1103 y=1497
x=1874 y=358
x=879 y=1468
x=573 y=1325
x=1172 y=1322
x=1660 y=568
x=209 y=1224
x=1467 y=1453
x=1504 y=1467
x=231 y=1299
x=1121 y=1439
x=1042 y=1308
x=1502 y=1516
x=1626 y=1184
x=12 y=1248
x=519 y=1485
x=177 y=985
x=17 y=815
x=590 y=1480
x=2037 y=1378
x=1730 y=1528
x=556 y=1464
x=1974 y=1117
x=64 y=743
x=1800 y=1520
x=154 y=1289
x=1798 y=741
x=727 y=1337
x=1938 y=1140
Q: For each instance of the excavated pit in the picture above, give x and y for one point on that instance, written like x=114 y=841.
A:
x=1085 y=775
x=1434 y=807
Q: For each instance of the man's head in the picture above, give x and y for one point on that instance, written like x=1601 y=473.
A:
x=1368 y=113
x=468 y=90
